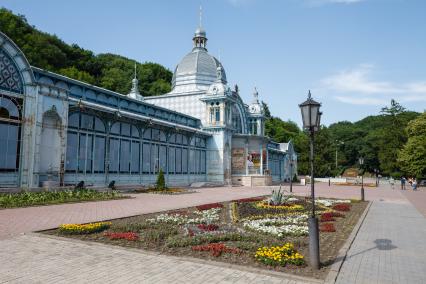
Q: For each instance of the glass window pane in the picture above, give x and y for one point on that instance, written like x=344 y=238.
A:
x=134 y=167
x=184 y=161
x=203 y=162
x=179 y=138
x=184 y=140
x=114 y=151
x=163 y=158
x=115 y=128
x=197 y=161
x=146 y=156
x=172 y=138
x=72 y=151
x=89 y=153
x=147 y=134
x=179 y=160
x=191 y=161
x=135 y=132
x=154 y=158
x=99 y=125
x=86 y=121
x=172 y=160
x=74 y=120
x=162 y=136
x=82 y=153
x=99 y=151
x=155 y=134
x=125 y=129
x=125 y=156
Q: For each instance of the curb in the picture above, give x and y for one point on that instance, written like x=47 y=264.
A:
x=260 y=271
x=341 y=255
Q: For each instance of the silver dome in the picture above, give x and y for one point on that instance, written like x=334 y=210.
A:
x=198 y=67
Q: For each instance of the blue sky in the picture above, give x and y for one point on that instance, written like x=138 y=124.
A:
x=355 y=55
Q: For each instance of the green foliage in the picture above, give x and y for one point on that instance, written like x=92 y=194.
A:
x=376 y=138
x=109 y=71
x=26 y=198
x=161 y=182
x=412 y=157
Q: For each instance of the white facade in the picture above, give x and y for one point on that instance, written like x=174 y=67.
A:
x=58 y=131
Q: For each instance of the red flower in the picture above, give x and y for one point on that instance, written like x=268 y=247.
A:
x=326 y=218
x=327 y=227
x=209 y=206
x=342 y=207
x=130 y=236
x=209 y=228
x=216 y=249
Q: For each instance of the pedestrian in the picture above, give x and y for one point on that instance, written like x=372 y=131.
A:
x=402 y=183
x=392 y=183
x=414 y=184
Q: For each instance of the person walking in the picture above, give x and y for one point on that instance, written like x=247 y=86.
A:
x=392 y=182
x=403 y=183
x=414 y=184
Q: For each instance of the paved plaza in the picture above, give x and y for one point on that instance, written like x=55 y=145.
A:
x=389 y=247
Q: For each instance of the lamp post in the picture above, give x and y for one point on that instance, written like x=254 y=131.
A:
x=361 y=163
x=311 y=117
x=291 y=171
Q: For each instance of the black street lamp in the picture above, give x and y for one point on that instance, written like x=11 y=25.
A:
x=311 y=117
x=291 y=170
x=361 y=164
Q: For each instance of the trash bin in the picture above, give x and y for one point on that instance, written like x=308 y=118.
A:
x=302 y=181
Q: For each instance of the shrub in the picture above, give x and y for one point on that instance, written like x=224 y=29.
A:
x=75 y=229
x=161 y=182
x=342 y=207
x=209 y=206
x=250 y=199
x=130 y=236
x=327 y=227
x=216 y=249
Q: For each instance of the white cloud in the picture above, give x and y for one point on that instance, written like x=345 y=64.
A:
x=357 y=86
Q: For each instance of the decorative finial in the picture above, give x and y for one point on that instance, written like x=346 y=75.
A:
x=135 y=70
x=256 y=95
x=309 y=94
x=201 y=15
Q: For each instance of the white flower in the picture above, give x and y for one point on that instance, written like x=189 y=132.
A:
x=330 y=202
x=206 y=216
x=291 y=225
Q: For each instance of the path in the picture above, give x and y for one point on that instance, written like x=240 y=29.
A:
x=388 y=249
x=42 y=259
x=390 y=246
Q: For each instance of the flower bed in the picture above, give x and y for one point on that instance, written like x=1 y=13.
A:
x=285 y=226
x=216 y=249
x=327 y=227
x=289 y=207
x=326 y=218
x=209 y=206
x=24 y=199
x=342 y=207
x=84 y=229
x=279 y=255
x=130 y=236
x=248 y=200
x=236 y=233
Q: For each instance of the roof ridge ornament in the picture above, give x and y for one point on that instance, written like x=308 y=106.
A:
x=200 y=39
x=134 y=92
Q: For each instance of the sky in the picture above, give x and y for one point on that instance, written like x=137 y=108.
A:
x=354 y=55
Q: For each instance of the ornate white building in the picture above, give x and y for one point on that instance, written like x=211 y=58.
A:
x=59 y=131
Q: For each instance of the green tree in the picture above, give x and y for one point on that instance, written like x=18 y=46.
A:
x=74 y=73
x=161 y=182
x=412 y=157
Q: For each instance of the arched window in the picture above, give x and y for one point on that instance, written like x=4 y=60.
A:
x=10 y=133
x=236 y=120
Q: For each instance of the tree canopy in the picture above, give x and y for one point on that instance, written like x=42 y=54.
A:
x=109 y=71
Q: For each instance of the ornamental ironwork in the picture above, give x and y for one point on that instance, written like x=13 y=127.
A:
x=10 y=79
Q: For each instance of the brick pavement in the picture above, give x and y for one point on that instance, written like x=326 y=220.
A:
x=42 y=259
x=371 y=259
x=390 y=245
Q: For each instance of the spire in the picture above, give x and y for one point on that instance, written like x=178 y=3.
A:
x=134 y=92
x=200 y=39
x=255 y=96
